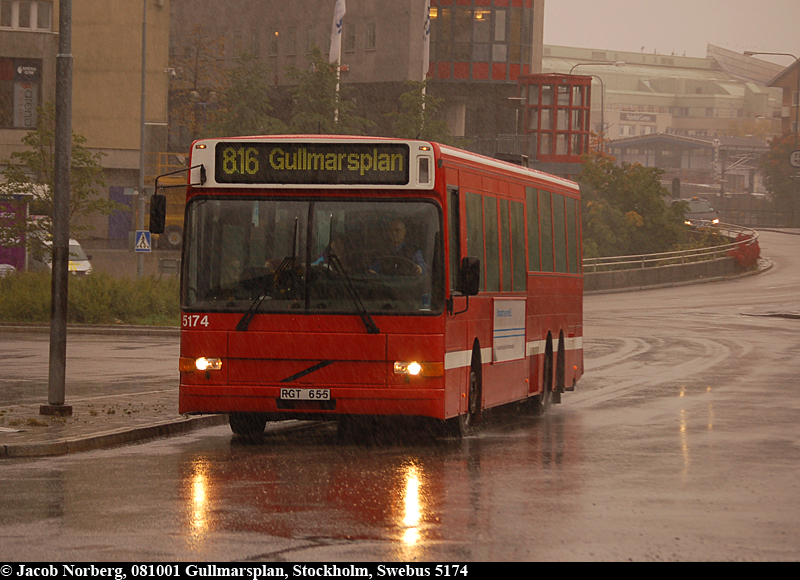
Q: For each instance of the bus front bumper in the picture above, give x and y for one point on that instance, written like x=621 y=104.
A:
x=423 y=402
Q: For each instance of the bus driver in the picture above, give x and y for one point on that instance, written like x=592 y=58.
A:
x=401 y=258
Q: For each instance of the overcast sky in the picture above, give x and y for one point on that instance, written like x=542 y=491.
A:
x=679 y=26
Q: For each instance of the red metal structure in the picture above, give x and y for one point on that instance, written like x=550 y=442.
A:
x=557 y=115
x=331 y=277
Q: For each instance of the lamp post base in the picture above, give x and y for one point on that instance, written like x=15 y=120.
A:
x=56 y=410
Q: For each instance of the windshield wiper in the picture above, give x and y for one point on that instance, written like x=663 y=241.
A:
x=372 y=328
x=244 y=322
x=288 y=261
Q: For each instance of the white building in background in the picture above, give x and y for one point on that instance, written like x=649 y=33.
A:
x=641 y=94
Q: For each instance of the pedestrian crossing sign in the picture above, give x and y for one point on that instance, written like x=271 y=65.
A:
x=142 y=241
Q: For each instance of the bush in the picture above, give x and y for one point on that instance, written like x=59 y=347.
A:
x=25 y=297
x=95 y=299
x=746 y=255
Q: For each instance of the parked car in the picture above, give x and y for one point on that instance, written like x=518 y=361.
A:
x=6 y=269
x=79 y=262
x=698 y=210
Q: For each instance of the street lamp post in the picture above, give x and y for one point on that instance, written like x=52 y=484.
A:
x=602 y=96
x=59 y=283
x=517 y=103
x=795 y=101
x=142 y=141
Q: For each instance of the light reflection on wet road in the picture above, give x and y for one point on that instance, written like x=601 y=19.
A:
x=682 y=442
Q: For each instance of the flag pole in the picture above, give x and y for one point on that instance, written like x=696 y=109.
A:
x=426 y=54
x=336 y=49
x=338 y=79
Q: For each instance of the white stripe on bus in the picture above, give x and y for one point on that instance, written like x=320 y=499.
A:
x=463 y=358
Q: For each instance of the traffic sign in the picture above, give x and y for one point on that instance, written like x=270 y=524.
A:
x=794 y=158
x=142 y=241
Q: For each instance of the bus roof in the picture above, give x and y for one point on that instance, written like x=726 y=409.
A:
x=446 y=151
x=520 y=170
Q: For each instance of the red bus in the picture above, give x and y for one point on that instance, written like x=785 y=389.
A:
x=334 y=277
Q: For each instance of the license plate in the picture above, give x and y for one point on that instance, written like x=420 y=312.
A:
x=306 y=394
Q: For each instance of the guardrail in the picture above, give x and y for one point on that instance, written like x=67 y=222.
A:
x=680 y=257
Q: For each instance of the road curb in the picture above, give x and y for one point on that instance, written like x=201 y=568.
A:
x=110 y=438
x=107 y=329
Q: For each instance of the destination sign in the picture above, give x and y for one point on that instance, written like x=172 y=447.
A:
x=311 y=163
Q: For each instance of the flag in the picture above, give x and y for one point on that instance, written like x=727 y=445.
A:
x=426 y=40
x=336 y=31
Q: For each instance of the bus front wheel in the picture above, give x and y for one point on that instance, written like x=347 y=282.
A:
x=461 y=426
x=248 y=425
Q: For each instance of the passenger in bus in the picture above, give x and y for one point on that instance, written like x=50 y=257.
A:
x=338 y=248
x=402 y=257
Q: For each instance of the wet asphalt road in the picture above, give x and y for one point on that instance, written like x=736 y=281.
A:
x=681 y=442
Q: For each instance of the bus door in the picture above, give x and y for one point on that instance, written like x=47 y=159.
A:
x=456 y=327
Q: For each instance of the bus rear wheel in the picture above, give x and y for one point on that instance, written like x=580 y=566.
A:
x=248 y=425
x=546 y=396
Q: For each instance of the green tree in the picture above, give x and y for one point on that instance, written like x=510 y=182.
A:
x=244 y=104
x=624 y=211
x=32 y=172
x=417 y=116
x=318 y=108
x=778 y=174
x=199 y=79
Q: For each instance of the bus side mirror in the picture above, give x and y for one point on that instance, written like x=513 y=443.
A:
x=470 y=276
x=158 y=213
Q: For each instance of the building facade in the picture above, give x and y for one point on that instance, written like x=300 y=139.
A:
x=106 y=84
x=640 y=94
x=705 y=121
x=477 y=51
x=788 y=80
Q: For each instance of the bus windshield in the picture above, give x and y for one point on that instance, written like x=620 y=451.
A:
x=321 y=256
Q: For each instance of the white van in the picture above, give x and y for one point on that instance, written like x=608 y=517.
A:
x=79 y=262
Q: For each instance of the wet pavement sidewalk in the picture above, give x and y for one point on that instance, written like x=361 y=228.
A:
x=105 y=411
x=95 y=423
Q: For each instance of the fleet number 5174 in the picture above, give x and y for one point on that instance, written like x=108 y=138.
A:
x=192 y=320
x=450 y=570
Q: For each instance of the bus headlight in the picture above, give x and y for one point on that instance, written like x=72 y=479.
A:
x=189 y=364
x=416 y=369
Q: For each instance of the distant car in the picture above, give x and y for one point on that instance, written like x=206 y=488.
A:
x=79 y=262
x=698 y=210
x=6 y=269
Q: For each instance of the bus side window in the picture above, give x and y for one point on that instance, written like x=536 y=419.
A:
x=454 y=236
x=534 y=259
x=572 y=235
x=560 y=232
x=518 y=246
x=492 y=247
x=474 y=202
x=505 y=245
x=546 y=229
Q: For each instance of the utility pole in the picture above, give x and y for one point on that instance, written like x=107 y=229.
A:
x=61 y=192
x=140 y=259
